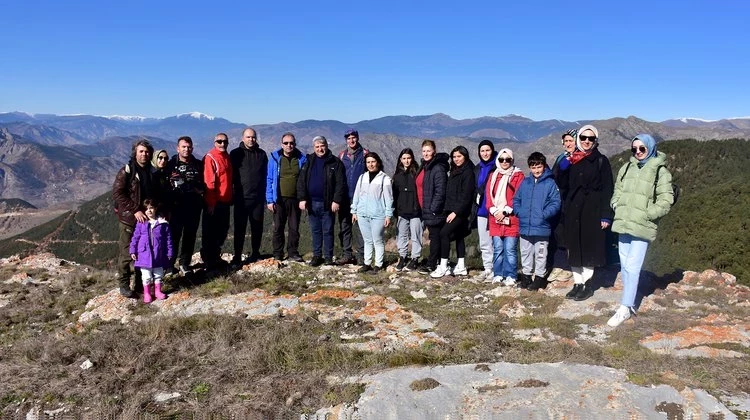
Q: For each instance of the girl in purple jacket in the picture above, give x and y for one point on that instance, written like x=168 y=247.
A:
x=151 y=249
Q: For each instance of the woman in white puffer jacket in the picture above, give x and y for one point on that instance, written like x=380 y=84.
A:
x=372 y=209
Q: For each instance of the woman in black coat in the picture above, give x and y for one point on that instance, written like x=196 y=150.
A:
x=432 y=179
x=407 y=211
x=458 y=198
x=588 y=187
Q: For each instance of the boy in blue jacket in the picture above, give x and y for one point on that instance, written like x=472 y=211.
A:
x=536 y=203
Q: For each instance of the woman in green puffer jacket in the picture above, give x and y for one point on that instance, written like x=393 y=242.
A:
x=639 y=201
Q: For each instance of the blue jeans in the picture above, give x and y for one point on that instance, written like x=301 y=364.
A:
x=504 y=256
x=632 y=252
x=321 y=225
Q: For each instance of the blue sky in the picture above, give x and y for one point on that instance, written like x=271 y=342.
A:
x=267 y=62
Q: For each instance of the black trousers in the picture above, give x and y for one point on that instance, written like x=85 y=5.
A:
x=434 y=235
x=214 y=232
x=186 y=216
x=244 y=212
x=287 y=210
x=456 y=230
x=351 y=240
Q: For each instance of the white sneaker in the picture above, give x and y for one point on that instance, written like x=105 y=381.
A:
x=621 y=315
x=497 y=279
x=440 y=271
x=460 y=270
x=509 y=281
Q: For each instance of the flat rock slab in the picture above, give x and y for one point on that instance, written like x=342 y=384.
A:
x=391 y=326
x=515 y=391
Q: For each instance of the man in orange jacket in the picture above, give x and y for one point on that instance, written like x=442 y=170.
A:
x=217 y=175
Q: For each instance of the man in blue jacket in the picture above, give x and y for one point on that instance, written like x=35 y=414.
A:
x=353 y=158
x=281 y=196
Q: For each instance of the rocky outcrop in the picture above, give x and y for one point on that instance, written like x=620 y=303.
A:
x=702 y=315
x=508 y=390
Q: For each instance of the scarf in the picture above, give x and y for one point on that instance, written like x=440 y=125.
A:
x=579 y=155
x=498 y=199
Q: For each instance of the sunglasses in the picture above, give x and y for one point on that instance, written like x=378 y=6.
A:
x=221 y=141
x=288 y=143
x=641 y=149
x=587 y=138
x=505 y=160
x=162 y=158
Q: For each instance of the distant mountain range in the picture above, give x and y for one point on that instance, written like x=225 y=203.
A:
x=46 y=158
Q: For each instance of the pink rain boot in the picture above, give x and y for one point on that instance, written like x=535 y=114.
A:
x=158 y=293
x=147 y=293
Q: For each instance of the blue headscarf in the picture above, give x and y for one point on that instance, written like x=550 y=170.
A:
x=650 y=144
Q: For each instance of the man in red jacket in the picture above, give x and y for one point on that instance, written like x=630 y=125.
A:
x=217 y=175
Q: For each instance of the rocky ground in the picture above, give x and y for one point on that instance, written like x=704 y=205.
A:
x=693 y=319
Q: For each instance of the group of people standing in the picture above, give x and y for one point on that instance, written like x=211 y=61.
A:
x=570 y=206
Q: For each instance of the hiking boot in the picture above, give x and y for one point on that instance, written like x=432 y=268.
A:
x=540 y=282
x=376 y=269
x=401 y=264
x=329 y=261
x=235 y=264
x=364 y=269
x=255 y=256
x=412 y=265
x=295 y=258
x=425 y=268
x=346 y=260
x=621 y=315
x=586 y=292
x=126 y=291
x=574 y=291
x=316 y=261
x=185 y=270
x=524 y=281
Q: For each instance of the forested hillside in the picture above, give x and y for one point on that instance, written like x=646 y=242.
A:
x=708 y=226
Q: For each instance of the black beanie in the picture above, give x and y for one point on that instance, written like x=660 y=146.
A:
x=485 y=143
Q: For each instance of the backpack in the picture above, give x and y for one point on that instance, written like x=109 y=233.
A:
x=675 y=187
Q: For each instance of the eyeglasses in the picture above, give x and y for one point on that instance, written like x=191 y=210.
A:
x=288 y=143
x=505 y=160
x=641 y=149
x=587 y=138
x=221 y=141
